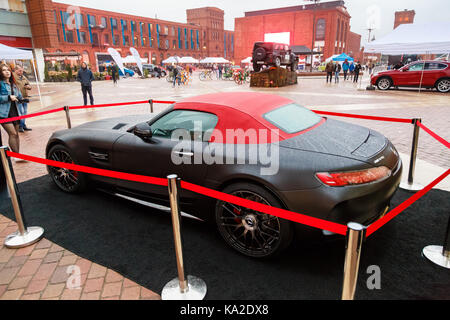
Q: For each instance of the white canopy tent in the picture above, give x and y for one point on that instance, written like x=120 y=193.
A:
x=428 y=38
x=174 y=59
x=131 y=59
x=247 y=60
x=10 y=53
x=188 y=60
x=214 y=60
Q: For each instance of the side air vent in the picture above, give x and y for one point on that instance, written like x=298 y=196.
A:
x=119 y=126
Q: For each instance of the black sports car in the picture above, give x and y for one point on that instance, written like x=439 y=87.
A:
x=261 y=147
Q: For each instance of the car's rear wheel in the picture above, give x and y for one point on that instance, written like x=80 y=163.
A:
x=252 y=233
x=67 y=180
x=384 y=83
x=443 y=85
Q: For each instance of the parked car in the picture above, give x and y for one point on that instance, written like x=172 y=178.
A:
x=428 y=74
x=128 y=73
x=154 y=70
x=327 y=169
x=273 y=54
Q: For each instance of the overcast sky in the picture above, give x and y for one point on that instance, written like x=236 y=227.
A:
x=377 y=13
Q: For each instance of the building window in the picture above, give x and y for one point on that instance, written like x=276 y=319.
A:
x=114 y=23
x=116 y=40
x=320 y=29
x=104 y=22
x=106 y=39
x=79 y=20
x=174 y=44
x=82 y=37
x=133 y=26
x=167 y=44
x=124 y=25
x=127 y=41
x=166 y=30
x=69 y=36
x=56 y=16
x=92 y=21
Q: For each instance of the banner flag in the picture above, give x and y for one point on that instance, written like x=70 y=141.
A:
x=117 y=58
x=137 y=57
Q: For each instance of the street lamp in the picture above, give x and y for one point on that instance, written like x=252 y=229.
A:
x=313 y=31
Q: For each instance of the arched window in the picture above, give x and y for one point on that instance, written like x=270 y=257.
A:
x=320 y=29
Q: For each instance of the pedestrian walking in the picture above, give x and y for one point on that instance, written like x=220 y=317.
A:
x=329 y=69
x=345 y=67
x=85 y=77
x=351 y=68
x=176 y=76
x=337 y=70
x=114 y=73
x=357 y=71
x=24 y=86
x=220 y=68
x=10 y=98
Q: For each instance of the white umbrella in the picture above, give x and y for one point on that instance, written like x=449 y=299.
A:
x=174 y=59
x=247 y=60
x=188 y=60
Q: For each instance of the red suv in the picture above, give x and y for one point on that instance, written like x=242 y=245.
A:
x=436 y=74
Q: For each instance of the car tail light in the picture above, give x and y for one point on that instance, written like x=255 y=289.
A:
x=340 y=179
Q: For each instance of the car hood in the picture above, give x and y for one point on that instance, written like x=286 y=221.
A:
x=341 y=139
x=119 y=123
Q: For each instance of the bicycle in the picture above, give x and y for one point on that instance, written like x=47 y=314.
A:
x=240 y=77
x=208 y=75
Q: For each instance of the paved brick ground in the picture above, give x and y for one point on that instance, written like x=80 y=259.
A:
x=46 y=271
x=40 y=271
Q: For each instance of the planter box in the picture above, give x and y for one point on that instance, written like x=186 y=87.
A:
x=273 y=78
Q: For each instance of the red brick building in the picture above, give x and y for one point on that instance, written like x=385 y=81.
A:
x=84 y=34
x=331 y=20
x=404 y=17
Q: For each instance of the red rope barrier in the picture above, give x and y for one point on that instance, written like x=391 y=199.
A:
x=401 y=207
x=31 y=115
x=348 y=115
x=434 y=135
x=108 y=105
x=96 y=171
x=281 y=213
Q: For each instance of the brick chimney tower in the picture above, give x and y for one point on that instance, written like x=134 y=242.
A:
x=402 y=17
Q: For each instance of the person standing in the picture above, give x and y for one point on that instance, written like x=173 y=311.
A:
x=85 y=77
x=357 y=71
x=337 y=69
x=176 y=76
x=329 y=68
x=345 y=67
x=10 y=96
x=351 y=68
x=114 y=73
x=24 y=86
x=220 y=67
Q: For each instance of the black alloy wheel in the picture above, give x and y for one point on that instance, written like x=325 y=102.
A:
x=67 y=180
x=252 y=233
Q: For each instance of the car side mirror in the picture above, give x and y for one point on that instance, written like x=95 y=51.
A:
x=143 y=131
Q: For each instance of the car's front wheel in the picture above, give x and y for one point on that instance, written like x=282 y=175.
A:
x=67 y=180
x=443 y=85
x=384 y=83
x=252 y=233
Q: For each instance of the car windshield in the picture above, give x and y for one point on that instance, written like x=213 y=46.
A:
x=292 y=118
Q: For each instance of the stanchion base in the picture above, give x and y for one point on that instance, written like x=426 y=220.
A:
x=197 y=290
x=16 y=240
x=411 y=186
x=434 y=254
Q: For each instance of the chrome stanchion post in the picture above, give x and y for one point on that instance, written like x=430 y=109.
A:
x=151 y=105
x=180 y=288
x=440 y=255
x=69 y=123
x=355 y=238
x=25 y=236
x=410 y=185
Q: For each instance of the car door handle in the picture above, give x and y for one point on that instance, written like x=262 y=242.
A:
x=189 y=154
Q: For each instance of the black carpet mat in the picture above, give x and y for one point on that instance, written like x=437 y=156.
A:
x=138 y=243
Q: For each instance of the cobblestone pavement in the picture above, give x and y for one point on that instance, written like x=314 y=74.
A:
x=39 y=271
